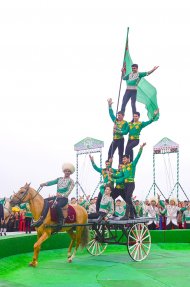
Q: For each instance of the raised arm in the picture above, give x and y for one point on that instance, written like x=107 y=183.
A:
x=134 y=162
x=151 y=71
x=161 y=202
x=144 y=124
x=111 y=113
x=98 y=169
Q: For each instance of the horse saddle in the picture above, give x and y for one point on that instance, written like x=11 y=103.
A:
x=71 y=218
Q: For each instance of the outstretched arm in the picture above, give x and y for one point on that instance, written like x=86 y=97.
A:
x=144 y=124
x=49 y=183
x=151 y=71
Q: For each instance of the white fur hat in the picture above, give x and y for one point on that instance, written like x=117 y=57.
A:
x=68 y=166
x=153 y=199
x=173 y=199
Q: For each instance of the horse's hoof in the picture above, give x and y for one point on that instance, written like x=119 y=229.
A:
x=70 y=260
x=32 y=264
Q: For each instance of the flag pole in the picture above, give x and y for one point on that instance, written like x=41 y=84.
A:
x=126 y=47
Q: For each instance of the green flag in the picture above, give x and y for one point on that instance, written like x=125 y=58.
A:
x=146 y=93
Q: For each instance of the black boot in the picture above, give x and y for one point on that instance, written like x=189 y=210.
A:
x=101 y=216
x=60 y=220
x=126 y=216
x=132 y=213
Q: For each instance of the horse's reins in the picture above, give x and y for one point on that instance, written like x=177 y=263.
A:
x=25 y=194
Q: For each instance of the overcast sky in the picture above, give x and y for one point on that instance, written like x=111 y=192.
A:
x=59 y=63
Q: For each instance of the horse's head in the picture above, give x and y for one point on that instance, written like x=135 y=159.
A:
x=21 y=196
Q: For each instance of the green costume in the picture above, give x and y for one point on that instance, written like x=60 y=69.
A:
x=186 y=217
x=2 y=201
x=107 y=205
x=119 y=211
x=127 y=177
x=64 y=185
x=134 y=128
x=121 y=125
x=128 y=172
x=133 y=79
x=118 y=139
x=103 y=172
x=26 y=207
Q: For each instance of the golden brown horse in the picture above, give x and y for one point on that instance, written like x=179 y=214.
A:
x=36 y=202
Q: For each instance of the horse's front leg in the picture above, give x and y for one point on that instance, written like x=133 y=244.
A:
x=37 y=247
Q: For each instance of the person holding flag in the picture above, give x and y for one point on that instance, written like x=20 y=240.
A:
x=132 y=80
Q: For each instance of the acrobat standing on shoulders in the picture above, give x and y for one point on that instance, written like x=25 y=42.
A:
x=127 y=177
x=134 y=129
x=133 y=80
x=118 y=139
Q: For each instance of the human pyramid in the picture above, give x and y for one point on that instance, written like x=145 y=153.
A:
x=121 y=181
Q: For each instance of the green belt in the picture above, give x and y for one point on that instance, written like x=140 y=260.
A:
x=133 y=137
x=129 y=180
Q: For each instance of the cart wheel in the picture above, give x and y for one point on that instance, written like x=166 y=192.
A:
x=139 y=242
x=95 y=247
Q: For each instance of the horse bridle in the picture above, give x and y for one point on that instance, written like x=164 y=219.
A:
x=23 y=196
x=20 y=200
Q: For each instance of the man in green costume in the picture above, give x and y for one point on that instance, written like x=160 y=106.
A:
x=105 y=174
x=106 y=209
x=133 y=80
x=28 y=216
x=64 y=187
x=120 y=125
x=127 y=176
x=134 y=129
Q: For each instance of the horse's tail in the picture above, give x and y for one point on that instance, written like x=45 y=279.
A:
x=84 y=237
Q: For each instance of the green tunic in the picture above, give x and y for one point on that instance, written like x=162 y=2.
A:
x=186 y=216
x=133 y=79
x=2 y=201
x=119 y=185
x=107 y=204
x=26 y=206
x=103 y=172
x=64 y=185
x=134 y=128
x=121 y=125
x=139 y=210
x=128 y=172
x=119 y=211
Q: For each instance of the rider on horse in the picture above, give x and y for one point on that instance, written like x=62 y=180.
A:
x=64 y=187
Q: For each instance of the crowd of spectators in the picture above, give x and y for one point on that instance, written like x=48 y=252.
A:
x=163 y=214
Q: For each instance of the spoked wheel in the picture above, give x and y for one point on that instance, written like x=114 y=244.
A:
x=95 y=245
x=139 y=242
